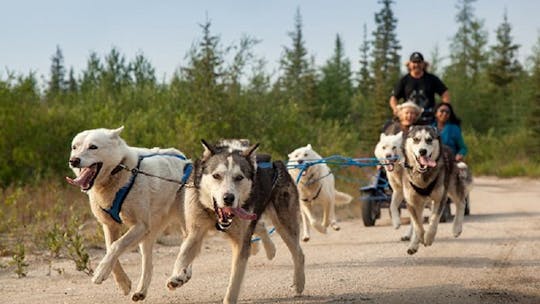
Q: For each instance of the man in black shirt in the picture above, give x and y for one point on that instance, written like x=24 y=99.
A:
x=420 y=87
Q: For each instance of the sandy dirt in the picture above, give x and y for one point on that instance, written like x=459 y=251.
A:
x=495 y=260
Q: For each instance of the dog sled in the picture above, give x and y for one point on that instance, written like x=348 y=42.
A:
x=378 y=195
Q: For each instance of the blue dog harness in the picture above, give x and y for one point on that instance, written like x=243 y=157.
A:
x=122 y=193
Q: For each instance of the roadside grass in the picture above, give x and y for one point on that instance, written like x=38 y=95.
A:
x=46 y=220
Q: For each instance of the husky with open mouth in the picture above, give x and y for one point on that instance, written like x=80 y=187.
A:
x=230 y=192
x=137 y=188
x=431 y=175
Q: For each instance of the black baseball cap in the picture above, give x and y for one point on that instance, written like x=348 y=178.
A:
x=416 y=57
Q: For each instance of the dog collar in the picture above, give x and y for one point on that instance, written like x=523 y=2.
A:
x=424 y=191
x=315 y=197
x=122 y=193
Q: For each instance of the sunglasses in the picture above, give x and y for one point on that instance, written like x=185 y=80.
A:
x=444 y=111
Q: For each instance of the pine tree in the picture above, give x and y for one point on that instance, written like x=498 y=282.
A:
x=385 y=68
x=143 y=72
x=503 y=69
x=298 y=79
x=57 y=83
x=532 y=116
x=464 y=75
x=92 y=75
x=364 y=78
x=335 y=88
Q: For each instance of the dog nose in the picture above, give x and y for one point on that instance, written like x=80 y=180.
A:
x=422 y=152
x=228 y=198
x=75 y=162
x=300 y=161
x=388 y=155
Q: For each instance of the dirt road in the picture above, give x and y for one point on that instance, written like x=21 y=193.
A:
x=495 y=260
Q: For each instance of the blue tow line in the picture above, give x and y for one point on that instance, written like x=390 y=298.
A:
x=337 y=160
x=253 y=240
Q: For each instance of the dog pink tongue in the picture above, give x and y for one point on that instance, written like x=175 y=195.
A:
x=427 y=161
x=243 y=214
x=83 y=179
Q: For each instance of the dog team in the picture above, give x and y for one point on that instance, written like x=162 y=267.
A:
x=238 y=191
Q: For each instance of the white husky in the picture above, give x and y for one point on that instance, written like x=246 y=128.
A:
x=389 y=152
x=136 y=187
x=316 y=185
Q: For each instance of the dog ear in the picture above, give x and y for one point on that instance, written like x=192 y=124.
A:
x=251 y=150
x=209 y=150
x=382 y=136
x=116 y=132
x=250 y=154
x=309 y=146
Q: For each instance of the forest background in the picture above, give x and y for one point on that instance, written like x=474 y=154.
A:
x=225 y=91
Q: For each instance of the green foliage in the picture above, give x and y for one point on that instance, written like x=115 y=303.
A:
x=76 y=248
x=19 y=261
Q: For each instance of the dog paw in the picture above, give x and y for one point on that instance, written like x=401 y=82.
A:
x=179 y=280
x=335 y=226
x=306 y=238
x=138 y=296
x=101 y=273
x=429 y=238
x=125 y=287
x=457 y=232
x=320 y=228
x=405 y=238
x=411 y=251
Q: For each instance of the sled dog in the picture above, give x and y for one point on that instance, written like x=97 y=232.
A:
x=316 y=186
x=229 y=191
x=137 y=188
x=389 y=152
x=430 y=175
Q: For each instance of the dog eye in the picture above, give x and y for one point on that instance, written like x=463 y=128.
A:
x=429 y=140
x=74 y=147
x=416 y=140
x=92 y=147
x=305 y=154
x=216 y=176
x=238 y=178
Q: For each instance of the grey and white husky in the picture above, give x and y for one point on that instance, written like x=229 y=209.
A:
x=230 y=191
x=431 y=175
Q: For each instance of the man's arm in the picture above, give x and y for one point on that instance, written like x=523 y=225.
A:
x=393 y=104
x=445 y=97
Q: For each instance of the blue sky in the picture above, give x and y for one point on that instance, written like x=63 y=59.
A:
x=165 y=30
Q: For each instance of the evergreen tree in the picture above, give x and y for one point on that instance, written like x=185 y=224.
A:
x=364 y=78
x=468 y=59
x=91 y=76
x=72 y=84
x=298 y=81
x=335 y=88
x=116 y=72
x=532 y=116
x=385 y=68
x=503 y=69
x=504 y=66
x=143 y=72
x=57 y=82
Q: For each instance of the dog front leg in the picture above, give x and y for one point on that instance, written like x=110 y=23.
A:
x=146 y=268
x=262 y=233
x=134 y=235
x=190 y=248
x=111 y=234
x=397 y=198
x=305 y=226
x=240 y=255
x=437 y=210
x=331 y=211
x=306 y=209
x=416 y=212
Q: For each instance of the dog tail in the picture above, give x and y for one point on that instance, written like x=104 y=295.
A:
x=465 y=174
x=342 y=198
